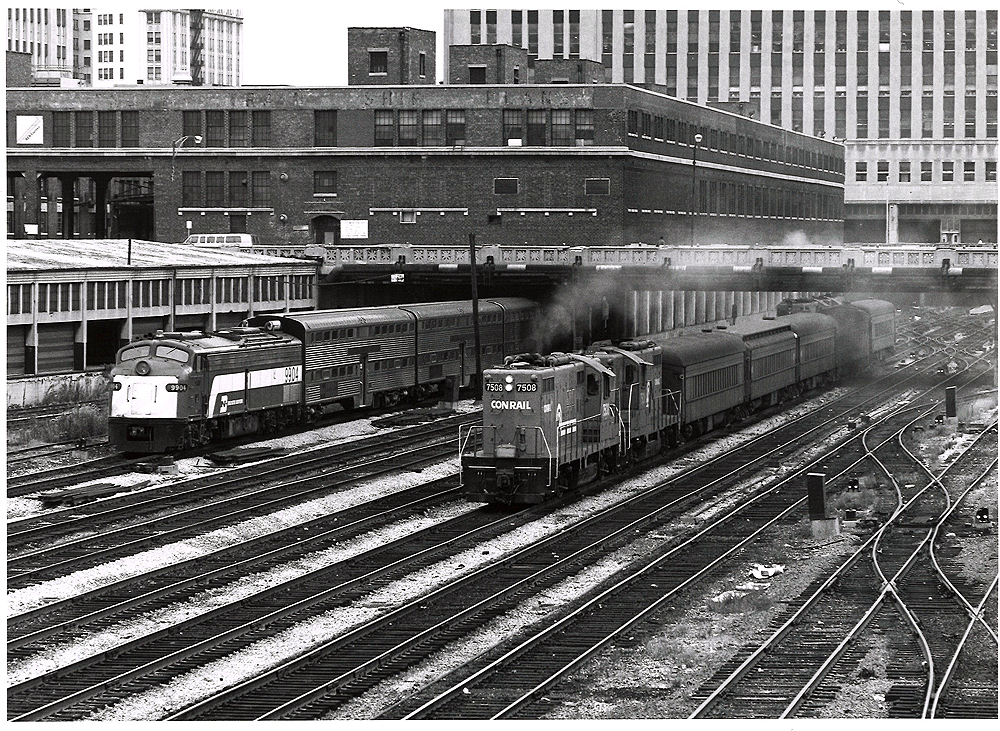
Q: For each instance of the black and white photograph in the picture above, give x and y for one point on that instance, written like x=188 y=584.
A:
x=547 y=364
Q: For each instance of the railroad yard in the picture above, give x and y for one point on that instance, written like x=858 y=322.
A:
x=338 y=573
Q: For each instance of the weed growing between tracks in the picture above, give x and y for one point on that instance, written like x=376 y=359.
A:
x=81 y=421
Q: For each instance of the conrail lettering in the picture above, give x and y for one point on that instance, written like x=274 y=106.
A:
x=495 y=404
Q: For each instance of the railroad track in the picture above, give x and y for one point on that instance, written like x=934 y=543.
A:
x=128 y=686
x=106 y=466
x=268 y=698
x=51 y=544
x=801 y=667
x=144 y=650
x=49 y=450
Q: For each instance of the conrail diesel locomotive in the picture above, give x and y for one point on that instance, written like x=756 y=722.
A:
x=177 y=390
x=552 y=422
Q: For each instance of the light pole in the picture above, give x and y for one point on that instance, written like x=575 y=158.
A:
x=694 y=163
x=179 y=142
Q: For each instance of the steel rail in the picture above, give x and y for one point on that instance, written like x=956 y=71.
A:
x=888 y=590
x=977 y=616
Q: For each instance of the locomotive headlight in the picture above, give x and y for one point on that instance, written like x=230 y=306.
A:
x=174 y=387
x=510 y=383
x=142 y=368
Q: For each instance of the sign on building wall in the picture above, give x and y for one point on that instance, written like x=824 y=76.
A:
x=354 y=229
x=29 y=130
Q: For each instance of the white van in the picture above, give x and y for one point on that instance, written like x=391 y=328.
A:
x=221 y=240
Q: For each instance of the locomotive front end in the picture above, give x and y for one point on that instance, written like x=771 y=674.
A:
x=150 y=385
x=511 y=457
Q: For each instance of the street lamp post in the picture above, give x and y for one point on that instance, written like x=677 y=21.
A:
x=180 y=142
x=694 y=163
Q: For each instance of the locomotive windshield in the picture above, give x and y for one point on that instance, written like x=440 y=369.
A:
x=138 y=351
x=171 y=353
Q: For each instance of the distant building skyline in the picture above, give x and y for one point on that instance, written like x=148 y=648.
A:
x=102 y=47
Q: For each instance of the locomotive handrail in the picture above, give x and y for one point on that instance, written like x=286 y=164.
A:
x=463 y=444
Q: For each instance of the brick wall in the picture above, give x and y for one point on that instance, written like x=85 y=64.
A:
x=403 y=47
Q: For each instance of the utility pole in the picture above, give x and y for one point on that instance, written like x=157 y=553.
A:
x=475 y=314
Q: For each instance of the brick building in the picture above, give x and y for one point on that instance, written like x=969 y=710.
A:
x=391 y=56
x=562 y=163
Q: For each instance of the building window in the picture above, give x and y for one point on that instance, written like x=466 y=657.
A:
x=325 y=182
x=904 y=171
x=325 y=122
x=969 y=171
x=513 y=125
x=432 y=128
x=477 y=74
x=237 y=129
x=925 y=171
x=536 y=127
x=84 y=129
x=130 y=129
x=192 y=123
x=107 y=134
x=597 y=186
x=455 y=127
x=409 y=127
x=215 y=128
x=408 y=215
x=422 y=65
x=61 y=129
x=563 y=133
x=260 y=129
x=261 y=189
x=991 y=171
x=378 y=63
x=947 y=172
x=475 y=27
x=861 y=171
x=215 y=189
x=191 y=189
x=384 y=127
x=882 y=171
x=505 y=186
x=237 y=189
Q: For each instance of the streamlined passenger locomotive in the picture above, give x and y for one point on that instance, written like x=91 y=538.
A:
x=176 y=390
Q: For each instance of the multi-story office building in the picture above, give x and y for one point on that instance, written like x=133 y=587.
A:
x=913 y=93
x=44 y=34
x=113 y=48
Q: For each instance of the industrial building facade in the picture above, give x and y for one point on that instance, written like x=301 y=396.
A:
x=580 y=164
x=913 y=93
x=72 y=304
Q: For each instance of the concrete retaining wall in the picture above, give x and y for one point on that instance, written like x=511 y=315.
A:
x=65 y=388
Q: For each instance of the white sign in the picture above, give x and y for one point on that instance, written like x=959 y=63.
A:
x=29 y=130
x=354 y=229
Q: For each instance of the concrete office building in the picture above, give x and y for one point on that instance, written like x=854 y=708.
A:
x=913 y=93
x=105 y=47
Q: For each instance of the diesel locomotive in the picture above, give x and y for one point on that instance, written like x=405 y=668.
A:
x=552 y=422
x=171 y=391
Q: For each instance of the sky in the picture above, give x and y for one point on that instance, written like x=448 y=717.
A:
x=278 y=48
